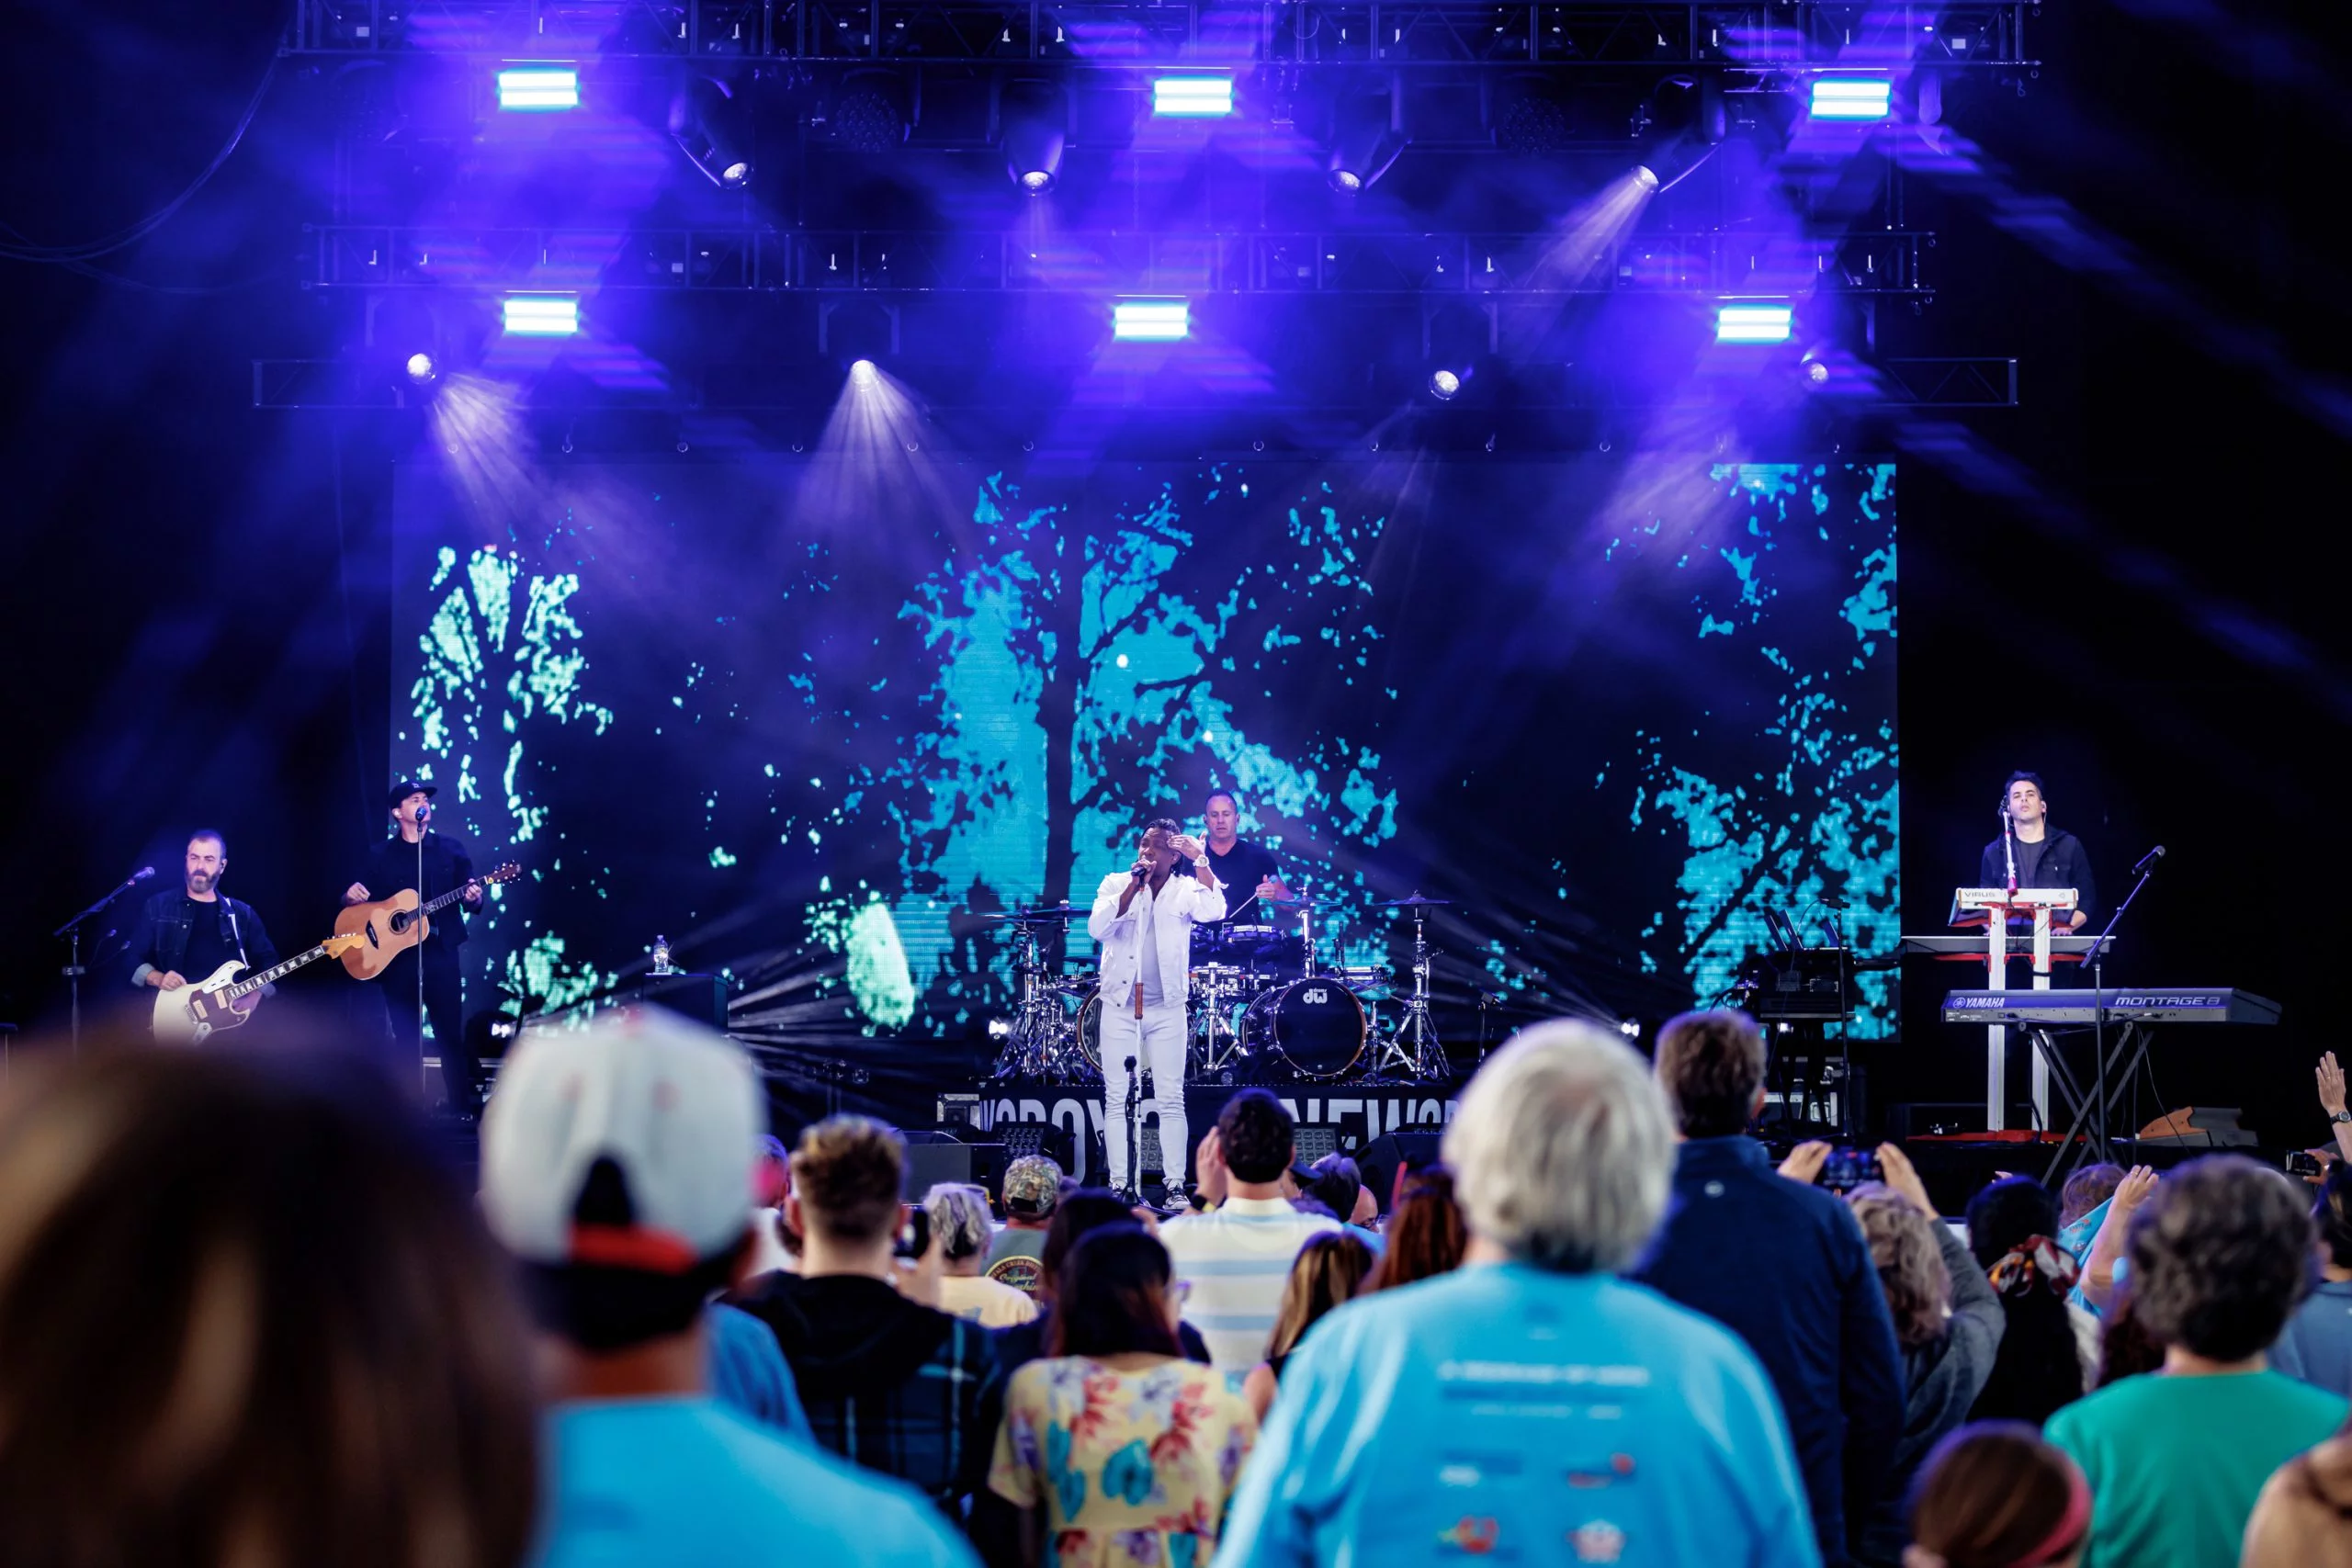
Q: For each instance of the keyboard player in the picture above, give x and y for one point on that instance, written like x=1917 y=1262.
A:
x=2044 y=856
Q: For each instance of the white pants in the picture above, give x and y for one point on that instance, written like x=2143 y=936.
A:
x=1156 y=1040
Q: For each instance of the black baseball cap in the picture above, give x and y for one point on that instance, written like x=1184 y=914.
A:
x=407 y=787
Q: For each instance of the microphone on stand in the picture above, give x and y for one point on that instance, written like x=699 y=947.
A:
x=2010 y=842
x=2148 y=861
x=141 y=874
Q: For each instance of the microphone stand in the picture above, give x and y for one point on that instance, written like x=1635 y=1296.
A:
x=2097 y=956
x=423 y=816
x=1135 y=1091
x=74 y=969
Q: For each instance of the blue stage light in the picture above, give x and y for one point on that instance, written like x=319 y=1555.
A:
x=538 y=88
x=542 y=315
x=1752 y=324
x=1443 y=383
x=421 y=369
x=1151 y=321
x=1192 y=97
x=1851 y=97
x=863 y=372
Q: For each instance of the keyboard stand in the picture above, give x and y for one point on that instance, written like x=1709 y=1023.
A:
x=2136 y=1035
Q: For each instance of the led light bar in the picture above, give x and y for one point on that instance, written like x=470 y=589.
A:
x=1752 y=324
x=542 y=315
x=1151 y=321
x=1851 y=97
x=538 y=88
x=1192 y=97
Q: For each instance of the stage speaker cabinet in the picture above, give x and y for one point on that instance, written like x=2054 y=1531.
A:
x=936 y=1158
x=1379 y=1159
x=1050 y=1139
x=702 y=997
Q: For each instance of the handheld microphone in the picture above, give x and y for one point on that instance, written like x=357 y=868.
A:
x=142 y=874
x=2148 y=859
x=423 y=810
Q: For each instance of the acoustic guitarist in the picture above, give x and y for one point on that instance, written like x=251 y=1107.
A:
x=391 y=866
x=190 y=933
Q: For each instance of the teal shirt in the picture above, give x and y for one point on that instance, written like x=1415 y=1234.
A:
x=2175 y=1463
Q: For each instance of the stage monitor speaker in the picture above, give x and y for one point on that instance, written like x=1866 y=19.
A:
x=1380 y=1158
x=702 y=997
x=2198 y=1127
x=934 y=1157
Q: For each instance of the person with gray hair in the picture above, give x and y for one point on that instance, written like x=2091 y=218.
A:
x=2219 y=1254
x=1782 y=1264
x=962 y=1226
x=1438 y=1418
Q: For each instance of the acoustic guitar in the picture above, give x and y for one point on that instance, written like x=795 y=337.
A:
x=389 y=926
x=204 y=1007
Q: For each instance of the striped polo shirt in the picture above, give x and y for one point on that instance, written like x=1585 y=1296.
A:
x=1234 y=1263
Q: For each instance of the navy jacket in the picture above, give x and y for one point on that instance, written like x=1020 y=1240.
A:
x=2063 y=863
x=159 y=940
x=391 y=866
x=1783 y=1265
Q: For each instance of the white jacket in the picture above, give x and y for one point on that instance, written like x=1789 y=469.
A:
x=1181 y=903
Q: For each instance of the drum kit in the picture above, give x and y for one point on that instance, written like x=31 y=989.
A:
x=1261 y=1003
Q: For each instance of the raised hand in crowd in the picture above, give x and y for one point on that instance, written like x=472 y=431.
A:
x=2098 y=1269
x=1902 y=1177
x=1804 y=1161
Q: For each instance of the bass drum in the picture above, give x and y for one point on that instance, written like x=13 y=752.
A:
x=1316 y=1028
x=1090 y=1032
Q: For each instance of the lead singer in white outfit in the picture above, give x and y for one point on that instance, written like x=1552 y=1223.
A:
x=1144 y=918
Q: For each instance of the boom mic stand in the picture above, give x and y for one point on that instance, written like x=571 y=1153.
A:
x=424 y=815
x=2097 y=956
x=1134 y=1094
x=71 y=931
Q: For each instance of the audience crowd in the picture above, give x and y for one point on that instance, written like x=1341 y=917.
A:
x=250 y=1315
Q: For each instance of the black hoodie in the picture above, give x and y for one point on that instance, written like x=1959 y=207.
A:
x=888 y=1383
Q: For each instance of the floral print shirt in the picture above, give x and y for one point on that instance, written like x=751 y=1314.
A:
x=1134 y=1469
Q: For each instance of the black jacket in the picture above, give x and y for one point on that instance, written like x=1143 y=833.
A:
x=160 y=941
x=2063 y=863
x=391 y=866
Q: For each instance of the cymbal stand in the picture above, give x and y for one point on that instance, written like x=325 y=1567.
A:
x=1424 y=1059
x=1038 y=1044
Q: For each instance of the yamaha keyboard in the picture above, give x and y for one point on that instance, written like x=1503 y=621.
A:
x=2222 y=1004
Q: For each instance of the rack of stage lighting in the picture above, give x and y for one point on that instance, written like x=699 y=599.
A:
x=1879 y=263
x=1237 y=36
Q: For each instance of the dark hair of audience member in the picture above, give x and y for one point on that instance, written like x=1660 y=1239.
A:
x=2125 y=1349
x=1081 y=1209
x=1255 y=1134
x=847 y=1172
x=1112 y=1298
x=246 y=1316
x=2332 y=1213
x=1910 y=1265
x=1338 y=1182
x=2037 y=1368
x=1711 y=1065
x=2087 y=1189
x=2221 y=1254
x=1328 y=1270
x=1425 y=1235
x=1993 y=1494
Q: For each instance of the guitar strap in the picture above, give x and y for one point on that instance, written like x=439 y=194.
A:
x=235 y=931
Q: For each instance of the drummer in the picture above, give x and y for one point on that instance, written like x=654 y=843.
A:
x=1236 y=862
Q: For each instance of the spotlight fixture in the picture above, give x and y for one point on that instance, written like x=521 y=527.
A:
x=541 y=315
x=708 y=124
x=1035 y=123
x=1443 y=383
x=1365 y=140
x=421 y=370
x=1851 y=97
x=1684 y=121
x=1752 y=324
x=1151 y=321
x=1631 y=1028
x=538 y=88
x=862 y=372
x=869 y=112
x=1192 y=97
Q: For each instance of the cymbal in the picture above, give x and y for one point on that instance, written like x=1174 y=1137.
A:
x=1062 y=911
x=1308 y=904
x=1417 y=902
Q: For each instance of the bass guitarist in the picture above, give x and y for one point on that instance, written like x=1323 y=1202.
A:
x=390 y=866
x=190 y=933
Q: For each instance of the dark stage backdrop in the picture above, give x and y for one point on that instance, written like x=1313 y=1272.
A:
x=809 y=717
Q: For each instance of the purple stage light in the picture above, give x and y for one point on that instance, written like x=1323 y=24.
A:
x=862 y=372
x=1752 y=324
x=541 y=315
x=1192 y=97
x=538 y=88
x=422 y=369
x=1443 y=383
x=1151 y=321
x=1851 y=97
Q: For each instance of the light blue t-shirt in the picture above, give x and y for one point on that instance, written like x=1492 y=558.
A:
x=649 y=1483
x=748 y=1372
x=1510 y=1413
x=2316 y=1347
